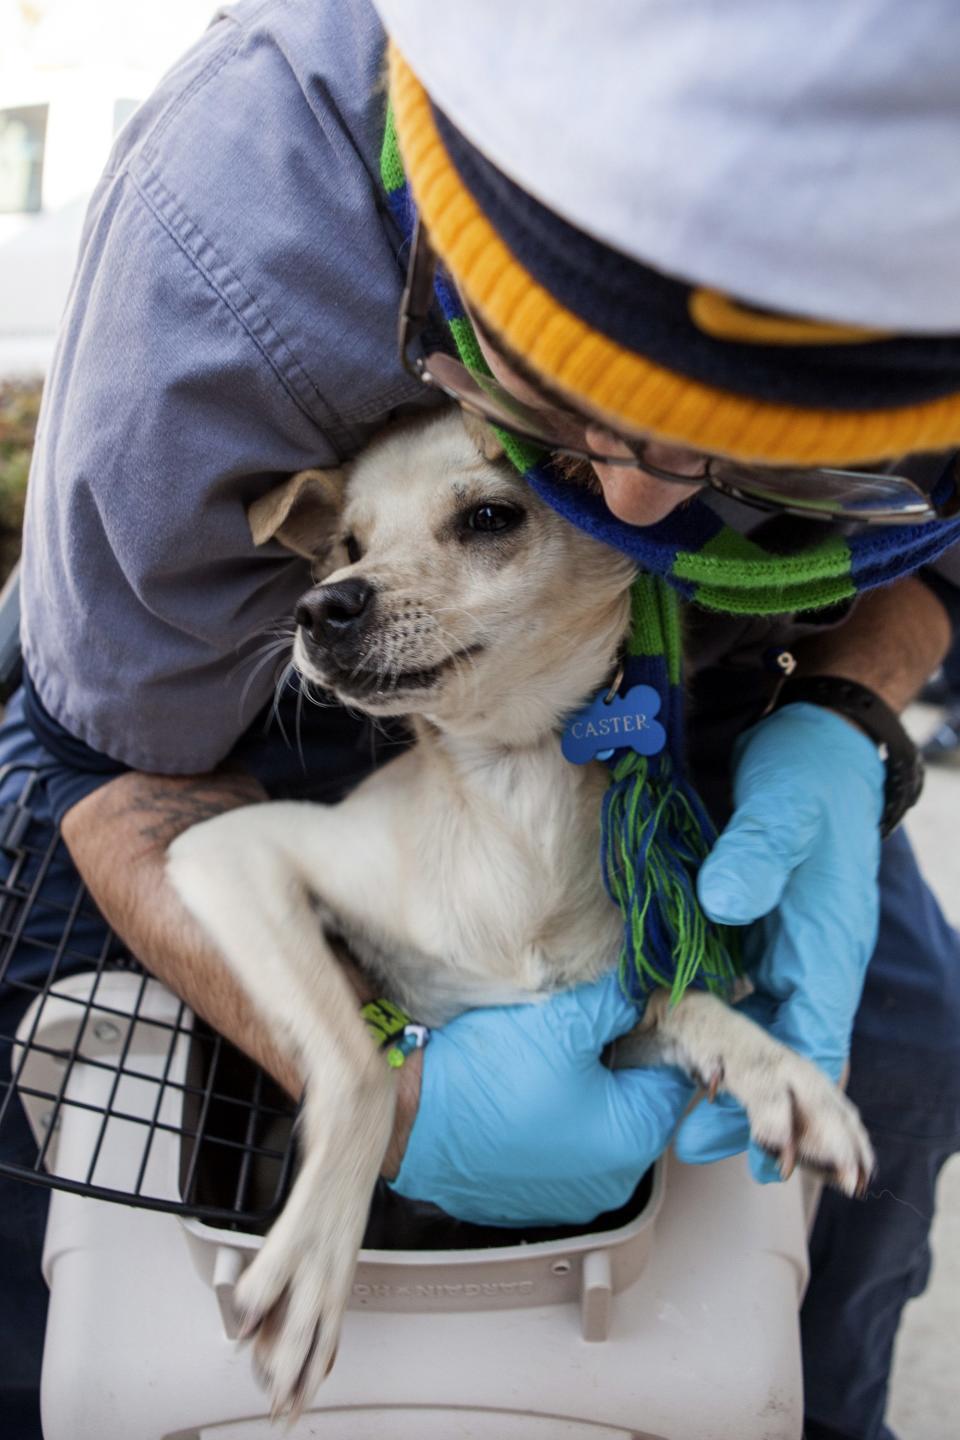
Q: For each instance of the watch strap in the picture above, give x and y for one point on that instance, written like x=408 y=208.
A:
x=904 y=766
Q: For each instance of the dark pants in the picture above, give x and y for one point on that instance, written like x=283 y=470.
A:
x=869 y=1257
x=951 y=670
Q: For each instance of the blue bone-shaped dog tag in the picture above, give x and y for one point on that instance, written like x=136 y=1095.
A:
x=624 y=722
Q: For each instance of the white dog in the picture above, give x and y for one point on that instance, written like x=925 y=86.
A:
x=463 y=873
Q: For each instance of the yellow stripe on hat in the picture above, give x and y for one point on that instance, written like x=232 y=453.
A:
x=723 y=318
x=624 y=388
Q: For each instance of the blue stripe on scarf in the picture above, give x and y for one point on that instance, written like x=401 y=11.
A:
x=882 y=554
x=653 y=548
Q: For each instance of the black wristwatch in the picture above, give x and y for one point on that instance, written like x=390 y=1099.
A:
x=874 y=716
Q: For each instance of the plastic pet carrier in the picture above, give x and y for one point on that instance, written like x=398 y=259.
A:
x=167 y=1154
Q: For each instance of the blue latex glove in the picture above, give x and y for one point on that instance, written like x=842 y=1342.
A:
x=520 y=1124
x=802 y=851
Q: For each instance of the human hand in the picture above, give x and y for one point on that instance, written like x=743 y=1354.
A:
x=519 y=1123
x=799 y=859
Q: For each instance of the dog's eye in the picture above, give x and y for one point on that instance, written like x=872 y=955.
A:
x=492 y=519
x=352 y=546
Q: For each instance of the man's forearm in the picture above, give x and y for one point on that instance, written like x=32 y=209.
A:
x=118 y=837
x=895 y=638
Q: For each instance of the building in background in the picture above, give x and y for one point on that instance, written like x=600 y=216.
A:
x=71 y=73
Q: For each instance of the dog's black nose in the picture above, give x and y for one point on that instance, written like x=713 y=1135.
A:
x=331 y=611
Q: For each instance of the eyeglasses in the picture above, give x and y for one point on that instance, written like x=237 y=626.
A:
x=862 y=497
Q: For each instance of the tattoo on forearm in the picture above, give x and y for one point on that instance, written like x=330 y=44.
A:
x=161 y=809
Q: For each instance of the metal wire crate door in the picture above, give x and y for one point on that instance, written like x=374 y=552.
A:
x=163 y=1112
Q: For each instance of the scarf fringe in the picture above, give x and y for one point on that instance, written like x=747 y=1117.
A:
x=655 y=834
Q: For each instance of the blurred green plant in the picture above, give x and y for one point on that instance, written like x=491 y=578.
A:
x=19 y=408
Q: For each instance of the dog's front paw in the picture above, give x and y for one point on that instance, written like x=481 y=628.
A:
x=798 y=1114
x=291 y=1302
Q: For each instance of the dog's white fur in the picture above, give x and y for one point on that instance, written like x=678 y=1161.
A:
x=464 y=872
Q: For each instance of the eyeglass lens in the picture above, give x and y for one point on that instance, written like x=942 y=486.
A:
x=832 y=492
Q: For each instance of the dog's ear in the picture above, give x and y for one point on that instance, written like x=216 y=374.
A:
x=483 y=436
x=302 y=513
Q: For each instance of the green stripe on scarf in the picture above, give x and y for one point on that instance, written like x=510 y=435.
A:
x=734 y=575
x=392 y=175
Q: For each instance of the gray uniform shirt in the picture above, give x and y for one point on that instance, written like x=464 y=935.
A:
x=232 y=320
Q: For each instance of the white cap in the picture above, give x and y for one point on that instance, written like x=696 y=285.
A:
x=800 y=154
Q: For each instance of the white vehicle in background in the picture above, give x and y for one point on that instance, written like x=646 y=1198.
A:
x=71 y=73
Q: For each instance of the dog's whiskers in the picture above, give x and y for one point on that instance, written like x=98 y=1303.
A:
x=279 y=632
x=459 y=658
x=313 y=693
x=299 y=715
x=272 y=647
x=278 y=644
x=288 y=670
x=284 y=626
x=276 y=654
